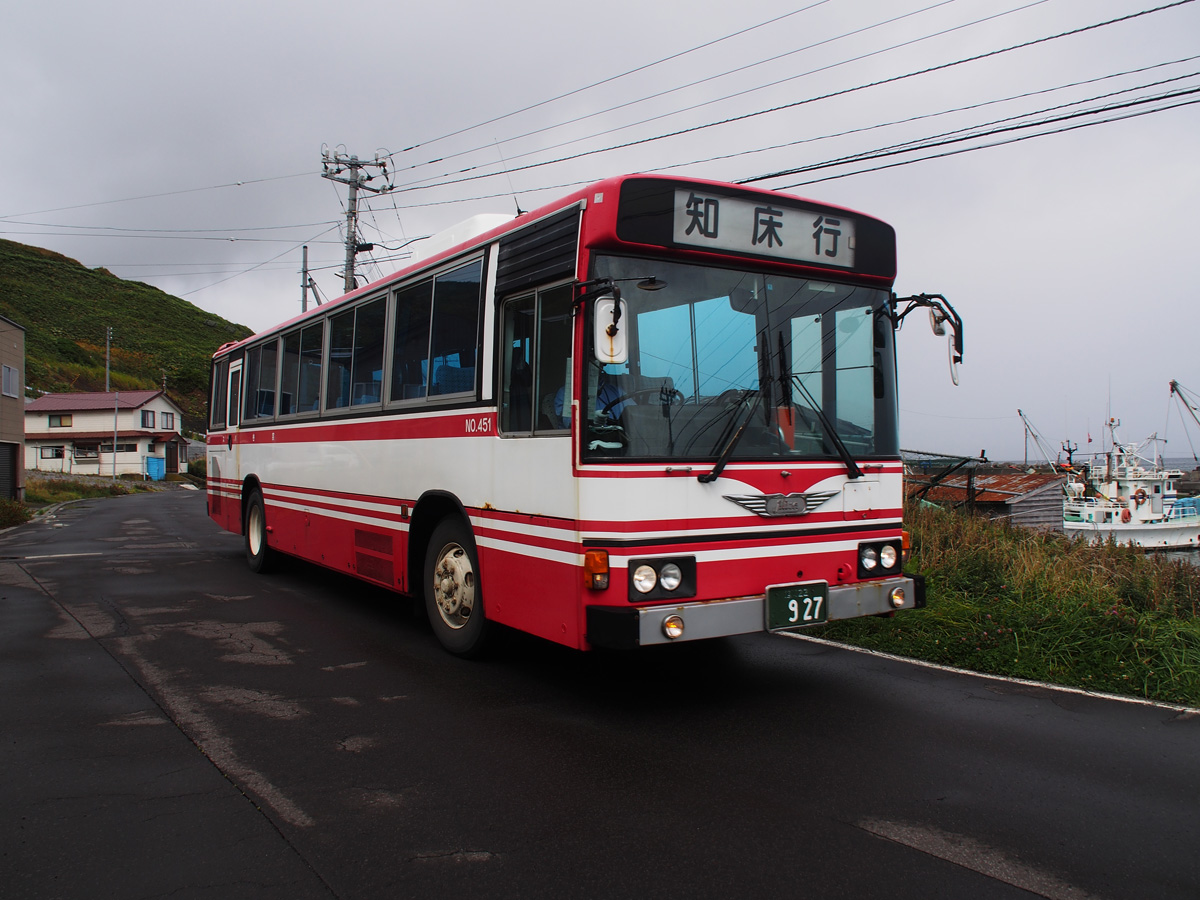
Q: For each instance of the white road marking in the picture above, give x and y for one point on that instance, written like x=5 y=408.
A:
x=1188 y=711
x=971 y=854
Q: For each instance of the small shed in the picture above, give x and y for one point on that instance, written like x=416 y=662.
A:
x=1028 y=499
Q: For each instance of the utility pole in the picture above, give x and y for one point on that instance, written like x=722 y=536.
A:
x=337 y=166
x=107 y=343
x=304 y=282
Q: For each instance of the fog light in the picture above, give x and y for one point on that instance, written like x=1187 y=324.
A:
x=670 y=577
x=644 y=579
x=897 y=597
x=673 y=626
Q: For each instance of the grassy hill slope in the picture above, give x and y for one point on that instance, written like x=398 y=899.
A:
x=65 y=309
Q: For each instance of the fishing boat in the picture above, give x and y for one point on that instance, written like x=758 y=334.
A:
x=1130 y=497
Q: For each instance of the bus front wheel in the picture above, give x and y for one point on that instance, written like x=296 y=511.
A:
x=453 y=599
x=259 y=556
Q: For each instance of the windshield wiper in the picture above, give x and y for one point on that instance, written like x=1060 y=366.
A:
x=852 y=468
x=731 y=444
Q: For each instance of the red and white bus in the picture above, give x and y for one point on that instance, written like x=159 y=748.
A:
x=655 y=411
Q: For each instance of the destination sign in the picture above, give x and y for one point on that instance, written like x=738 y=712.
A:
x=761 y=227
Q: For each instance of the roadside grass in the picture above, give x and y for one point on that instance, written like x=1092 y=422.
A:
x=1009 y=601
x=45 y=491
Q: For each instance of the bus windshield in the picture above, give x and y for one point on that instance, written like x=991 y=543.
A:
x=744 y=365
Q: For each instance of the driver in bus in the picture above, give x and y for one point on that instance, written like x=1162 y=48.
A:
x=606 y=394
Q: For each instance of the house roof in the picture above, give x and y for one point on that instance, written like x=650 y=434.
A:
x=91 y=401
x=1002 y=487
x=76 y=437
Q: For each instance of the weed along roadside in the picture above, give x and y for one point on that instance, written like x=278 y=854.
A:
x=1038 y=606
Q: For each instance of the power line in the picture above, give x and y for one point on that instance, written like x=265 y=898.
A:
x=910 y=119
x=612 y=78
x=839 y=93
x=1009 y=140
x=976 y=131
x=664 y=93
x=213 y=187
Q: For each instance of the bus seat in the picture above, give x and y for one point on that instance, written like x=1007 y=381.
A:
x=453 y=380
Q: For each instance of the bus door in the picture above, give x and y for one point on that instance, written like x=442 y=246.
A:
x=223 y=479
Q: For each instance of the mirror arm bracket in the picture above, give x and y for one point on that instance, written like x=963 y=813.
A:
x=940 y=307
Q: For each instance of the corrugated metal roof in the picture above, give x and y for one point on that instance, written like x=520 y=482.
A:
x=1002 y=487
x=91 y=401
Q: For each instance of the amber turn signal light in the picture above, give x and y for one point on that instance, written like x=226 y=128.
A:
x=595 y=569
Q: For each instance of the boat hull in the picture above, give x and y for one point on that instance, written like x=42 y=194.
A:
x=1149 y=536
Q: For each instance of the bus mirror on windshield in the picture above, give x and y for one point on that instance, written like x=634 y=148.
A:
x=610 y=345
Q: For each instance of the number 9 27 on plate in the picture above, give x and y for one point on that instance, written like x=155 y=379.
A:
x=791 y=606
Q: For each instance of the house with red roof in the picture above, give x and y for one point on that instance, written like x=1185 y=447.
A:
x=105 y=433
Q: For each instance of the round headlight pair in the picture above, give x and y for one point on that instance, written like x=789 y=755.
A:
x=870 y=558
x=645 y=579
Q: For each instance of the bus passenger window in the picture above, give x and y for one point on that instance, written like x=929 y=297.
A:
x=341 y=352
x=260 y=382
x=308 y=390
x=410 y=347
x=220 y=385
x=290 y=373
x=455 y=330
x=366 y=372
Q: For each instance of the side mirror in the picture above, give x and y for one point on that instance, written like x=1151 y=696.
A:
x=608 y=340
x=937 y=321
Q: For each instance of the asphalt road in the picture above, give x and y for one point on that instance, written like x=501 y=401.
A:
x=176 y=726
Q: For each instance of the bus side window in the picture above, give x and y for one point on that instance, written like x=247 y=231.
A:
x=410 y=346
x=260 y=372
x=553 y=370
x=516 y=377
x=220 y=385
x=341 y=352
x=535 y=390
x=290 y=373
x=453 y=346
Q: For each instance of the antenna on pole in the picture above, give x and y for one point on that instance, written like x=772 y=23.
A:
x=337 y=165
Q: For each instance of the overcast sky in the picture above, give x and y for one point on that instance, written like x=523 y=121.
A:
x=181 y=145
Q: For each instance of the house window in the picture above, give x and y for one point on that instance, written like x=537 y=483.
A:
x=59 y=422
x=168 y=421
x=121 y=448
x=87 y=451
x=12 y=382
x=52 y=453
x=147 y=418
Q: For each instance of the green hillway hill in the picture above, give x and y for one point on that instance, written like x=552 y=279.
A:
x=65 y=308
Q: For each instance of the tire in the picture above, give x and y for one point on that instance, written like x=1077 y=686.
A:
x=259 y=556
x=453 y=599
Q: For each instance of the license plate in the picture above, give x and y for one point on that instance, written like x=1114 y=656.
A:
x=791 y=606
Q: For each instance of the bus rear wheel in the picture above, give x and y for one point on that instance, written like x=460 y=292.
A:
x=259 y=555
x=453 y=600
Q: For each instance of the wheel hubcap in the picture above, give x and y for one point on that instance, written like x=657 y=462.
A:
x=255 y=527
x=454 y=586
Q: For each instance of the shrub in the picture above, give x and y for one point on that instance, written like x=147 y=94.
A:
x=13 y=513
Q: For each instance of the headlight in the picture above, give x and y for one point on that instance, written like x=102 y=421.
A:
x=670 y=577
x=887 y=556
x=644 y=579
x=868 y=558
x=662 y=578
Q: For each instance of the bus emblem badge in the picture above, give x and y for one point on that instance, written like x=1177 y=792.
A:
x=771 y=506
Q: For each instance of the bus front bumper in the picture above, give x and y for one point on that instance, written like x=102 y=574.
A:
x=624 y=628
